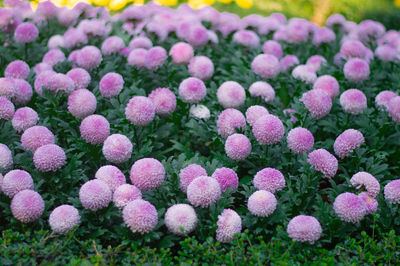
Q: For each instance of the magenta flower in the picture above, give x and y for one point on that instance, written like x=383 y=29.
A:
x=192 y=90
x=353 y=101
x=89 y=57
x=17 y=69
x=324 y=162
x=392 y=191
x=347 y=142
x=368 y=181
x=188 y=174
x=95 y=194
x=82 y=103
x=137 y=57
x=117 y=148
x=24 y=118
x=266 y=66
x=201 y=67
x=111 y=175
x=269 y=179
x=95 y=129
x=64 y=218
x=262 y=203
x=155 y=58
x=231 y=94
x=35 y=137
x=237 y=147
x=227 y=178
x=23 y=92
x=349 y=207
x=300 y=140
x=229 y=224
x=125 y=194
x=229 y=120
x=356 y=70
x=272 y=48
x=268 y=130
x=203 y=191
x=304 y=228
x=140 y=111
x=254 y=112
x=384 y=97
x=246 y=38
x=164 y=101
x=16 y=181
x=394 y=109
x=140 y=216
x=317 y=102
x=49 y=157
x=328 y=84
x=181 y=53
x=111 y=85
x=80 y=77
x=6 y=159
x=262 y=89
x=180 y=219
x=112 y=45
x=370 y=202
x=27 y=206
x=26 y=32
x=147 y=174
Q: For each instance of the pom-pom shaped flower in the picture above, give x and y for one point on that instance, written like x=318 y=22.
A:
x=24 y=118
x=95 y=194
x=317 y=102
x=300 y=140
x=16 y=181
x=80 y=77
x=124 y=194
x=26 y=32
x=140 y=111
x=27 y=206
x=111 y=85
x=192 y=90
x=269 y=179
x=353 y=101
x=6 y=160
x=53 y=57
x=262 y=89
x=254 y=112
x=370 y=202
x=55 y=42
x=384 y=97
x=7 y=88
x=237 y=147
x=201 y=67
x=246 y=38
x=324 y=162
x=315 y=62
x=349 y=207
x=386 y=53
x=227 y=178
x=140 y=216
x=111 y=175
x=164 y=101
x=229 y=224
x=137 y=57
x=347 y=142
x=188 y=174
x=368 y=181
x=64 y=218
x=23 y=92
x=7 y=109
x=82 y=103
x=74 y=37
x=49 y=157
x=394 y=109
x=95 y=129
x=392 y=191
x=117 y=148
x=147 y=173
x=140 y=42
x=35 y=137
x=272 y=48
x=262 y=203
x=353 y=48
x=231 y=94
x=304 y=73
x=229 y=120
x=268 y=129
x=180 y=219
x=155 y=58
x=203 y=191
x=328 y=84
x=288 y=62
x=323 y=35
x=266 y=66
x=112 y=45
x=17 y=69
x=356 y=70
x=181 y=53
x=304 y=228
x=89 y=57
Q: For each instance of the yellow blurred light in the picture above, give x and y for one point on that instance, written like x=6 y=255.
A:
x=100 y=2
x=244 y=3
x=117 y=4
x=167 y=2
x=138 y=2
x=397 y=3
x=225 y=1
x=59 y=3
x=200 y=3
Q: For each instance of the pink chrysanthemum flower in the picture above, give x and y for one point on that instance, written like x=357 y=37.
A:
x=246 y=38
x=315 y=62
x=95 y=194
x=140 y=216
x=349 y=207
x=164 y=101
x=392 y=191
x=262 y=89
x=111 y=175
x=117 y=148
x=82 y=103
x=17 y=69
x=237 y=147
x=324 y=162
x=112 y=45
x=7 y=109
x=335 y=19
x=7 y=88
x=192 y=90
x=95 y=129
x=24 y=118
x=46 y=9
x=262 y=203
x=53 y=57
x=40 y=67
x=60 y=83
x=304 y=73
x=80 y=77
x=140 y=42
x=266 y=66
x=323 y=35
x=383 y=98
x=137 y=57
x=180 y=219
x=26 y=32
x=386 y=53
x=288 y=62
x=353 y=48
x=317 y=102
x=201 y=67
x=16 y=181
x=229 y=224
x=328 y=84
x=300 y=140
x=35 y=137
x=356 y=70
x=203 y=191
x=197 y=35
x=74 y=37
x=304 y=228
x=370 y=202
x=229 y=121
x=367 y=180
x=6 y=160
x=27 y=206
x=64 y=218
x=353 y=101
x=268 y=130
x=155 y=58
x=55 y=42
x=394 y=109
x=23 y=92
x=269 y=179
x=89 y=57
x=111 y=85
x=254 y=112
x=188 y=174
x=181 y=53
x=347 y=142
x=147 y=174
x=227 y=178
x=140 y=111
x=231 y=94
x=125 y=194
x=272 y=48
x=49 y=157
